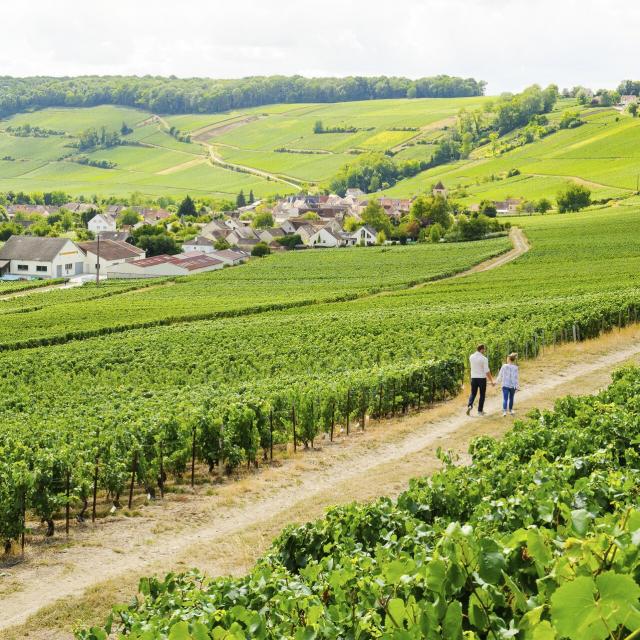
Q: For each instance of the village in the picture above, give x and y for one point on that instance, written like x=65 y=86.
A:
x=108 y=247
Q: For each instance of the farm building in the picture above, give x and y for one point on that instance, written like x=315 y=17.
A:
x=41 y=257
x=112 y=252
x=165 y=265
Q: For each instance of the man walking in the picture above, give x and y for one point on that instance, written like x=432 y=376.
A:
x=480 y=373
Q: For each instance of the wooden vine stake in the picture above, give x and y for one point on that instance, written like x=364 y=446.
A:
x=293 y=422
x=271 y=434
x=193 y=457
x=134 y=464
x=68 y=502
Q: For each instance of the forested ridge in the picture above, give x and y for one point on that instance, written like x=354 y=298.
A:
x=207 y=95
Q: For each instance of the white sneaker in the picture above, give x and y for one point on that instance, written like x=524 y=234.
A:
x=504 y=413
x=513 y=413
x=481 y=413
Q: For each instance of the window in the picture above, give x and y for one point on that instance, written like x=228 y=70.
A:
x=41 y=268
x=23 y=267
x=68 y=267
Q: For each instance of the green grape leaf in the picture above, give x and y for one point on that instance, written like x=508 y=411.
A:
x=491 y=561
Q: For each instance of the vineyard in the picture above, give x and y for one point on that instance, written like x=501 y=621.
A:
x=537 y=538
x=277 y=283
x=132 y=411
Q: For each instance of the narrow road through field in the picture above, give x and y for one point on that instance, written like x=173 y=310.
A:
x=225 y=532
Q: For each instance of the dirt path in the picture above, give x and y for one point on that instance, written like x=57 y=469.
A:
x=70 y=583
x=520 y=246
x=219 y=161
x=182 y=166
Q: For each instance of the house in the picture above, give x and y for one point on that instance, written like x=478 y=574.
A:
x=118 y=236
x=154 y=216
x=79 y=207
x=510 y=205
x=231 y=256
x=102 y=222
x=354 y=193
x=625 y=101
x=439 y=190
x=112 y=252
x=41 y=257
x=29 y=209
x=288 y=227
x=365 y=236
x=199 y=244
x=270 y=235
x=247 y=244
x=326 y=237
x=306 y=232
x=165 y=265
x=240 y=234
x=214 y=230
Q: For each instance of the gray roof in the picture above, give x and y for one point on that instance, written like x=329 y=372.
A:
x=199 y=241
x=32 y=248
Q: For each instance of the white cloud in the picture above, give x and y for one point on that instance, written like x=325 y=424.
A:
x=509 y=43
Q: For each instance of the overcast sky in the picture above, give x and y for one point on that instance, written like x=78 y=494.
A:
x=508 y=43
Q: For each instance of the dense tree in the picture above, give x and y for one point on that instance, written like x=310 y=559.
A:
x=633 y=109
x=187 y=207
x=128 y=217
x=431 y=210
x=251 y=197
x=573 y=198
x=158 y=244
x=221 y=244
x=488 y=209
x=260 y=250
x=629 y=88
x=375 y=216
x=262 y=220
x=543 y=205
x=201 y=95
x=241 y=200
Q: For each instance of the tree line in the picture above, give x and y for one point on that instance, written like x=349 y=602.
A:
x=207 y=95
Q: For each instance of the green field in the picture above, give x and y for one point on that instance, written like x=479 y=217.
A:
x=603 y=153
x=160 y=167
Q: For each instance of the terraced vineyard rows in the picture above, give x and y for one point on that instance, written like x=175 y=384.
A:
x=537 y=538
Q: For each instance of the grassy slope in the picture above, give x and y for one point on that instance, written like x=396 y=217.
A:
x=36 y=164
x=603 y=152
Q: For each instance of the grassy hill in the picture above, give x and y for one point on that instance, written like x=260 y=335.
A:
x=273 y=149
x=162 y=165
x=602 y=153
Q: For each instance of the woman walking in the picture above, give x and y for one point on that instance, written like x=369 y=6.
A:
x=510 y=382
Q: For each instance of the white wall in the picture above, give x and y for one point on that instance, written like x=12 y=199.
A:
x=68 y=260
